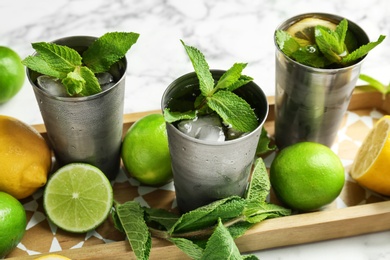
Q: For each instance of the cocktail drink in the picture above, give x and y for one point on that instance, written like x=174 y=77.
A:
x=83 y=128
x=210 y=160
x=314 y=79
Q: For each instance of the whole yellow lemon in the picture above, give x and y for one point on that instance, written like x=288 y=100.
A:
x=25 y=158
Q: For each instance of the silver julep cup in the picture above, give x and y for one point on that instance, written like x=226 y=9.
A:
x=310 y=102
x=205 y=171
x=85 y=129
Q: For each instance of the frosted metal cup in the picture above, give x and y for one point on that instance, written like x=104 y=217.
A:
x=309 y=102
x=85 y=129
x=205 y=171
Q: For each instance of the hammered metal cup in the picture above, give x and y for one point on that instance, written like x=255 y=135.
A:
x=310 y=102
x=205 y=171
x=85 y=129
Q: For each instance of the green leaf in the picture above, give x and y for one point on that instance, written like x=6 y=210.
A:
x=243 y=80
x=74 y=83
x=173 y=116
x=202 y=70
x=256 y=212
x=81 y=82
x=309 y=55
x=163 y=217
x=108 y=49
x=36 y=63
x=233 y=110
x=131 y=216
x=287 y=43
x=328 y=44
x=361 y=51
x=264 y=143
x=238 y=229
x=230 y=77
x=187 y=246
x=58 y=57
x=208 y=215
x=341 y=31
x=223 y=241
x=259 y=186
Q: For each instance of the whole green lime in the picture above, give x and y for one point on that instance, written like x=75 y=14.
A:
x=12 y=223
x=307 y=176
x=145 y=152
x=12 y=74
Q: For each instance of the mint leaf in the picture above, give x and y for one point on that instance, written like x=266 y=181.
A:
x=361 y=51
x=233 y=110
x=309 y=55
x=341 y=32
x=165 y=218
x=207 y=215
x=222 y=240
x=257 y=212
x=243 y=80
x=230 y=77
x=58 y=57
x=187 y=246
x=259 y=186
x=264 y=143
x=108 y=49
x=131 y=216
x=173 y=116
x=287 y=43
x=36 y=63
x=202 y=70
x=328 y=43
x=374 y=85
x=238 y=229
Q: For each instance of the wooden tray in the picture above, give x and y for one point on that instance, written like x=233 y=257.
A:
x=356 y=211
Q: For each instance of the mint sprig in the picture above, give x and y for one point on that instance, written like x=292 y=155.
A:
x=77 y=71
x=218 y=97
x=332 y=48
x=207 y=232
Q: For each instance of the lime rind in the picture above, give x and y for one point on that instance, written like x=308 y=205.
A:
x=78 y=198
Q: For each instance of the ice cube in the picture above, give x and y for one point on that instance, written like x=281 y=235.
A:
x=105 y=79
x=207 y=128
x=51 y=85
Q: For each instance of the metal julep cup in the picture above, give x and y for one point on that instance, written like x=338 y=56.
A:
x=205 y=171
x=310 y=102
x=85 y=129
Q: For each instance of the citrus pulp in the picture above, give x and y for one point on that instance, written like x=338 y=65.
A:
x=145 y=151
x=12 y=74
x=372 y=162
x=304 y=29
x=78 y=197
x=25 y=158
x=12 y=223
x=307 y=176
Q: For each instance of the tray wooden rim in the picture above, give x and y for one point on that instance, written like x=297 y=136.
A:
x=271 y=233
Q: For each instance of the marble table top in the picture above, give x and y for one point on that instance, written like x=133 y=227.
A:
x=226 y=31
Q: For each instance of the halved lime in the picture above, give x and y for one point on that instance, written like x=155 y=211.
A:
x=304 y=29
x=78 y=197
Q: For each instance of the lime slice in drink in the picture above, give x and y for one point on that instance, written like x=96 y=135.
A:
x=304 y=29
x=78 y=197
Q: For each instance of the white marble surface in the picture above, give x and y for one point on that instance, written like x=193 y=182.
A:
x=226 y=31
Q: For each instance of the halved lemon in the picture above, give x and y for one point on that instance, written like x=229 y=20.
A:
x=372 y=162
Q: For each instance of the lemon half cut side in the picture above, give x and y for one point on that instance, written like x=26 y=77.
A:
x=372 y=162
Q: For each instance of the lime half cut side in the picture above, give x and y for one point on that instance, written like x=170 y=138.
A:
x=78 y=197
